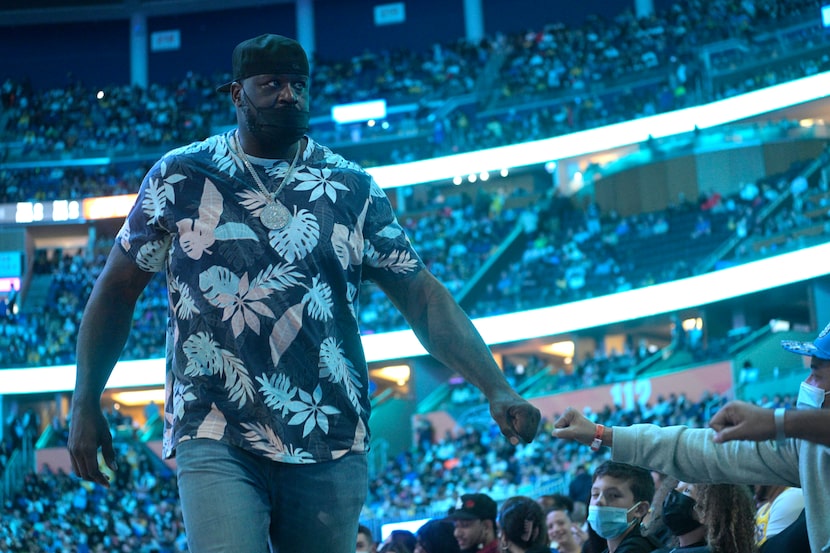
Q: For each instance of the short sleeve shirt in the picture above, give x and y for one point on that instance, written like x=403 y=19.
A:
x=263 y=345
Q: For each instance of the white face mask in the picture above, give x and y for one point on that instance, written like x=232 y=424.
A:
x=810 y=397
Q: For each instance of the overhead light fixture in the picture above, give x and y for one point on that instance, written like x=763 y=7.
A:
x=399 y=374
x=139 y=397
x=565 y=348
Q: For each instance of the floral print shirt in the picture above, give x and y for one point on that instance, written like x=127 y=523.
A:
x=263 y=345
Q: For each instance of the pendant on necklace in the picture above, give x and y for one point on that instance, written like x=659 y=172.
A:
x=275 y=216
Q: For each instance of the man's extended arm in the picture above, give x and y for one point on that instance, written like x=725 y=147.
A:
x=103 y=332
x=738 y=420
x=688 y=454
x=449 y=335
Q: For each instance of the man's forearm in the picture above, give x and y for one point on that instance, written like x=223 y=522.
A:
x=812 y=425
x=448 y=334
x=106 y=324
x=103 y=332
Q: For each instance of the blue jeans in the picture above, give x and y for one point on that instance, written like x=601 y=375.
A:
x=235 y=501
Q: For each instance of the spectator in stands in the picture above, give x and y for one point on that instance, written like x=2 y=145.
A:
x=749 y=373
x=710 y=518
x=579 y=490
x=249 y=302
x=403 y=538
x=365 y=540
x=780 y=507
x=522 y=526
x=394 y=547
x=739 y=420
x=475 y=523
x=436 y=536
x=702 y=455
x=620 y=498
x=564 y=535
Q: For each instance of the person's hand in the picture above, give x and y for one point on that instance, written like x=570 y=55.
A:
x=738 y=420
x=580 y=535
x=516 y=417
x=89 y=431
x=573 y=425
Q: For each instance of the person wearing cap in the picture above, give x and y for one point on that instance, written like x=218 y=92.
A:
x=697 y=455
x=474 y=517
x=739 y=420
x=265 y=237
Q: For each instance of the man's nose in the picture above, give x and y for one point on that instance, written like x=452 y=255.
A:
x=287 y=95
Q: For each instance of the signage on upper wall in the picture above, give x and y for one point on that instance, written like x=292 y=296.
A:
x=390 y=14
x=164 y=41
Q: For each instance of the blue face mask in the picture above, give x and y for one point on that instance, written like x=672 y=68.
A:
x=609 y=522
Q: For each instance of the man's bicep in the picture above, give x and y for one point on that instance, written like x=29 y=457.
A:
x=122 y=276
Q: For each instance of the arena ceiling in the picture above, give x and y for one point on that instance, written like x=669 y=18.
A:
x=33 y=12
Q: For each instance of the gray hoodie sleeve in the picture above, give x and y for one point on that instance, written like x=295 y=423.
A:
x=690 y=455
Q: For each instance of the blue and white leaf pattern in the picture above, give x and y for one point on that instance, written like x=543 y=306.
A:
x=252 y=326
x=263 y=438
x=240 y=303
x=337 y=368
x=159 y=192
x=277 y=277
x=185 y=308
x=390 y=232
x=152 y=255
x=310 y=412
x=351 y=296
x=397 y=261
x=205 y=357
x=277 y=391
x=182 y=393
x=235 y=231
x=298 y=238
x=253 y=200
x=318 y=300
x=319 y=181
x=223 y=159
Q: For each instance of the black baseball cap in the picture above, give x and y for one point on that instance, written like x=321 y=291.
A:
x=474 y=506
x=267 y=55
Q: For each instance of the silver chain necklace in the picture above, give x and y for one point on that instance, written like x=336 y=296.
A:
x=274 y=216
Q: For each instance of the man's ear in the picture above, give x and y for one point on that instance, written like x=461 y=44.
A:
x=642 y=510
x=236 y=94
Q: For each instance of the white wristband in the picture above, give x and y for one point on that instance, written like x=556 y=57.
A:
x=780 y=436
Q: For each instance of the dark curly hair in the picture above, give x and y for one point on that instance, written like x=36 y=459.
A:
x=728 y=512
